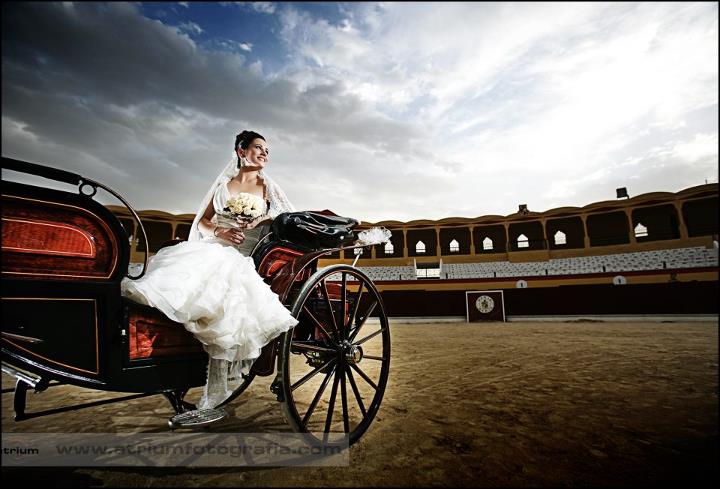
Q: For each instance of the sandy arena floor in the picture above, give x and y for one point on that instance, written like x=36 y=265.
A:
x=495 y=404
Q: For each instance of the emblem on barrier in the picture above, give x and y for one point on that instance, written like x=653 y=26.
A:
x=485 y=304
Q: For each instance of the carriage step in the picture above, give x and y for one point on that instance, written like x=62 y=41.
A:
x=277 y=388
x=196 y=417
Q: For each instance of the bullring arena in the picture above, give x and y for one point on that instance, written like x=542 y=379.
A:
x=494 y=404
x=573 y=347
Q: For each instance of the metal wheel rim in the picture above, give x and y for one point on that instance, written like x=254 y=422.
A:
x=336 y=375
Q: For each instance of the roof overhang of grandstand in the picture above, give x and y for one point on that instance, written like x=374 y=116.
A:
x=651 y=198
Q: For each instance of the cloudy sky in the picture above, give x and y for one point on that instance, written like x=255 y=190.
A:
x=373 y=110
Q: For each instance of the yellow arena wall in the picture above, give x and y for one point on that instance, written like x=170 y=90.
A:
x=663 y=245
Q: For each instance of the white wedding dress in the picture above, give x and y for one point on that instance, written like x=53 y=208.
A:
x=212 y=287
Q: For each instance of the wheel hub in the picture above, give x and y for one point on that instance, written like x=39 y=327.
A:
x=353 y=353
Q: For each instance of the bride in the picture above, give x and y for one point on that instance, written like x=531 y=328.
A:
x=209 y=282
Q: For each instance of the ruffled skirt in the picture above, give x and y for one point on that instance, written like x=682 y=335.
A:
x=216 y=293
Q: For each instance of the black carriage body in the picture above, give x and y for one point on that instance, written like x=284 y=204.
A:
x=63 y=318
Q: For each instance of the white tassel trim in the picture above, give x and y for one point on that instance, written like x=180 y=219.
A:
x=373 y=236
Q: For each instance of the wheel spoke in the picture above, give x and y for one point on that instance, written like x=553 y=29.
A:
x=333 y=394
x=326 y=296
x=362 y=374
x=360 y=342
x=311 y=374
x=356 y=306
x=308 y=346
x=362 y=322
x=343 y=306
x=358 y=397
x=343 y=392
x=317 y=396
x=319 y=324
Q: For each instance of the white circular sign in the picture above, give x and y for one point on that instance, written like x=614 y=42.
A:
x=485 y=304
x=619 y=280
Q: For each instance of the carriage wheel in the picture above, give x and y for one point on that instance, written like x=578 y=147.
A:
x=335 y=345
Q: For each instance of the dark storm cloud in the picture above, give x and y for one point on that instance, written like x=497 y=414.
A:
x=108 y=54
x=124 y=93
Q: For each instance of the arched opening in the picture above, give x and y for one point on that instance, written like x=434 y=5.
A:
x=640 y=231
x=420 y=247
x=487 y=244
x=454 y=246
x=358 y=251
x=522 y=241
x=560 y=238
x=389 y=249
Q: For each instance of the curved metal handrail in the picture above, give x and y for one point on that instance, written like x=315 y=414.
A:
x=94 y=184
x=81 y=182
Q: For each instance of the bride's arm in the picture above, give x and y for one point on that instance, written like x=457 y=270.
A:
x=207 y=227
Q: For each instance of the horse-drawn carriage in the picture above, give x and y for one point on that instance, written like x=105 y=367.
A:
x=65 y=322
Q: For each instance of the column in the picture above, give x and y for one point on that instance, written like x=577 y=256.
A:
x=134 y=240
x=437 y=241
x=472 y=240
x=586 y=238
x=405 y=247
x=628 y=213
x=681 y=220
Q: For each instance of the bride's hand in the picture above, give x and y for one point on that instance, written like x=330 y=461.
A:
x=233 y=235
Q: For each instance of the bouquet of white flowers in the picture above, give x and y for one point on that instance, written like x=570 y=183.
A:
x=243 y=207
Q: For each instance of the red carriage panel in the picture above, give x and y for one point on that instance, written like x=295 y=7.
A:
x=44 y=240
x=278 y=258
x=151 y=334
